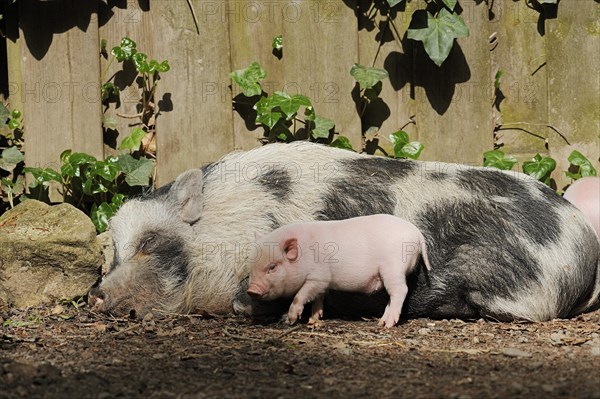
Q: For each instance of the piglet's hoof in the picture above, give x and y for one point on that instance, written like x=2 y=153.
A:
x=315 y=323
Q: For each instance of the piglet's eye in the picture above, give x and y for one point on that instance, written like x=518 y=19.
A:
x=272 y=268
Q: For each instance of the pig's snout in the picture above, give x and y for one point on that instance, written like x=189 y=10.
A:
x=97 y=299
x=254 y=291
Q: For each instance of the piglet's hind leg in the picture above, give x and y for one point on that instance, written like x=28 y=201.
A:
x=317 y=310
x=397 y=289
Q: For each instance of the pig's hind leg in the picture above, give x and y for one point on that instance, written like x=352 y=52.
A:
x=395 y=285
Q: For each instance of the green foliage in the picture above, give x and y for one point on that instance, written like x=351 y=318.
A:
x=403 y=147
x=367 y=77
x=277 y=43
x=540 y=168
x=280 y=113
x=583 y=167
x=11 y=157
x=437 y=32
x=95 y=186
x=248 y=79
x=497 y=159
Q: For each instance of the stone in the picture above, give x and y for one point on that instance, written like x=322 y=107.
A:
x=108 y=250
x=46 y=253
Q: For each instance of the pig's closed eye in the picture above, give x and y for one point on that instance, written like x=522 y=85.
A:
x=272 y=268
x=147 y=242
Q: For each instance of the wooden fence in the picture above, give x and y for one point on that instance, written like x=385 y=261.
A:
x=550 y=80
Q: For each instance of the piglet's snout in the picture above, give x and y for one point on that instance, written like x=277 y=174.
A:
x=97 y=299
x=254 y=291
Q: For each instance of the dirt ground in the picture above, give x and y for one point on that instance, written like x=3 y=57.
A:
x=62 y=351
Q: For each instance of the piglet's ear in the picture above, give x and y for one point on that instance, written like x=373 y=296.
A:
x=186 y=192
x=290 y=249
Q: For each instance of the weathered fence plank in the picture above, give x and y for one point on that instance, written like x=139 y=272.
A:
x=60 y=69
x=321 y=45
x=253 y=25
x=454 y=116
x=520 y=53
x=395 y=55
x=573 y=41
x=115 y=23
x=199 y=128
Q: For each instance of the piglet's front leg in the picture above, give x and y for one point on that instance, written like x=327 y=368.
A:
x=309 y=292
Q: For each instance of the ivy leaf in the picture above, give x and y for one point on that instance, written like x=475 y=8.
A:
x=277 y=43
x=133 y=141
x=101 y=214
x=43 y=176
x=248 y=79
x=290 y=105
x=109 y=122
x=438 y=34
x=392 y=3
x=107 y=170
x=12 y=155
x=367 y=77
x=322 y=127
x=109 y=90
x=4 y=115
x=139 y=60
x=450 y=4
x=499 y=74
x=497 y=159
x=540 y=168
x=125 y=50
x=411 y=150
x=163 y=66
x=342 y=142
x=269 y=119
x=137 y=171
x=403 y=147
x=585 y=166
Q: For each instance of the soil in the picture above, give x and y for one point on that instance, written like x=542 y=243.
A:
x=63 y=351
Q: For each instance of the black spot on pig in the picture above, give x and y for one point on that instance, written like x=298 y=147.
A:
x=348 y=199
x=277 y=182
x=438 y=176
x=381 y=169
x=490 y=182
x=476 y=247
x=537 y=218
x=167 y=253
x=360 y=187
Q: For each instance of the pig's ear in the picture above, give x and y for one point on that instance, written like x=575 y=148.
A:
x=186 y=192
x=290 y=248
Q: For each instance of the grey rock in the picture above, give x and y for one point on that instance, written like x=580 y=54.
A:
x=108 y=250
x=46 y=253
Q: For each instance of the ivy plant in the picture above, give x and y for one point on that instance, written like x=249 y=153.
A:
x=582 y=166
x=98 y=187
x=284 y=117
x=497 y=159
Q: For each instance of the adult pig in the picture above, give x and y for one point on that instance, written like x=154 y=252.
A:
x=500 y=244
x=585 y=195
x=362 y=254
